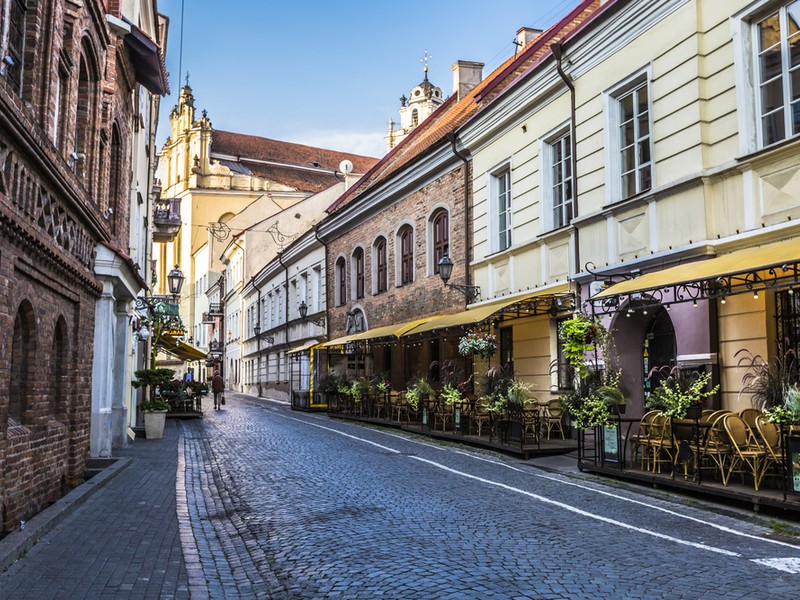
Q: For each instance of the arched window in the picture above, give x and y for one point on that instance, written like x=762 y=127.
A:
x=358 y=273
x=114 y=175
x=15 y=43
x=406 y=243
x=22 y=357
x=381 y=269
x=58 y=408
x=440 y=232
x=341 y=281
x=414 y=117
x=84 y=118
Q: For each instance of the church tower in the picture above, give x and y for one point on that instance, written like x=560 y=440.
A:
x=422 y=101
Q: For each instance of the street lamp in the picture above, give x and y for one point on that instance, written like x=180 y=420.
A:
x=303 y=309
x=175 y=280
x=471 y=292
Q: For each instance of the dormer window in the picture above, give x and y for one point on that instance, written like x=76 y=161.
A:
x=414 y=117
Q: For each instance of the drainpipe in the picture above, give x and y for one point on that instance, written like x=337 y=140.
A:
x=286 y=307
x=558 y=52
x=467 y=243
x=258 y=337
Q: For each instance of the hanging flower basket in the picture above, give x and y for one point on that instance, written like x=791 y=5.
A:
x=477 y=343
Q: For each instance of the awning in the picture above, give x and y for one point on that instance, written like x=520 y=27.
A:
x=484 y=311
x=395 y=331
x=148 y=61
x=302 y=347
x=757 y=258
x=180 y=349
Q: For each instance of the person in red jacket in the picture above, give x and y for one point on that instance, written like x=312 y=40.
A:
x=218 y=387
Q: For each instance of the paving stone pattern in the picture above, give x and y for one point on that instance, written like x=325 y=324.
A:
x=299 y=511
x=122 y=543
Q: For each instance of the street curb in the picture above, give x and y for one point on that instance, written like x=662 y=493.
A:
x=20 y=541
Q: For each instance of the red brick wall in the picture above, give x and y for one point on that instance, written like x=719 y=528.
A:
x=49 y=227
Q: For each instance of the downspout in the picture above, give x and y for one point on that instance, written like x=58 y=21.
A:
x=558 y=52
x=324 y=285
x=286 y=307
x=258 y=337
x=467 y=240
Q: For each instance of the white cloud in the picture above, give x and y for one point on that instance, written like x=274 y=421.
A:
x=354 y=142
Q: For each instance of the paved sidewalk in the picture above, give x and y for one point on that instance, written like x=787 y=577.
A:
x=123 y=542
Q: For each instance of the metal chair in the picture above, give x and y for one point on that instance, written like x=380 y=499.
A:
x=554 y=418
x=747 y=453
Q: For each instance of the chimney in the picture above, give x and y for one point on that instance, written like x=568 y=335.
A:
x=525 y=36
x=466 y=75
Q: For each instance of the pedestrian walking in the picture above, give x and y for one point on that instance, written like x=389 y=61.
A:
x=218 y=387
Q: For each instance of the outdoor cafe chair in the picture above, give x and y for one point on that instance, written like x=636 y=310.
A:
x=663 y=448
x=717 y=448
x=640 y=442
x=398 y=406
x=554 y=417
x=747 y=456
x=750 y=416
x=771 y=439
x=479 y=417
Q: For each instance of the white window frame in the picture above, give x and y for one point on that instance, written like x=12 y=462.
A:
x=745 y=33
x=503 y=170
x=612 y=97
x=548 y=145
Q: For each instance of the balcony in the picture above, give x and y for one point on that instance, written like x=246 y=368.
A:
x=216 y=348
x=166 y=219
x=215 y=309
x=207 y=318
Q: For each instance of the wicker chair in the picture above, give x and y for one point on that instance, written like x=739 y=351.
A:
x=641 y=441
x=717 y=447
x=771 y=440
x=554 y=417
x=663 y=448
x=748 y=456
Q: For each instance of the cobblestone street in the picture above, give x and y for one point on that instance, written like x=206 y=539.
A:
x=294 y=505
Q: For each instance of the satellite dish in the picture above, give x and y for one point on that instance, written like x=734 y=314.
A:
x=346 y=167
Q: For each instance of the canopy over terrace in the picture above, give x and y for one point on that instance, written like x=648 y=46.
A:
x=357 y=339
x=771 y=266
x=550 y=301
x=179 y=349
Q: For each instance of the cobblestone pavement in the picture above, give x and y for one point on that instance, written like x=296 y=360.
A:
x=281 y=504
x=122 y=543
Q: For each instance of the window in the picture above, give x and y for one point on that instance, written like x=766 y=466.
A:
x=114 y=174
x=631 y=140
x=778 y=73
x=414 y=118
x=341 y=282
x=358 y=273
x=787 y=307
x=560 y=184
x=406 y=239
x=13 y=44
x=564 y=371
x=500 y=198
x=84 y=111
x=441 y=237
x=381 y=269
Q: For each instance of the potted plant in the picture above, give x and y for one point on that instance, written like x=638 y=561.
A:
x=154 y=407
x=768 y=381
x=476 y=342
x=418 y=389
x=787 y=413
x=679 y=392
x=580 y=335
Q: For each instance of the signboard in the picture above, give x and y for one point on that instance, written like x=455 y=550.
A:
x=611 y=443
x=793 y=468
x=174 y=332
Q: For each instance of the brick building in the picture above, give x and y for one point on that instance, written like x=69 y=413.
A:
x=69 y=104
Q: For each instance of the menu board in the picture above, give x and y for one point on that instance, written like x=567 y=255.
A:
x=611 y=443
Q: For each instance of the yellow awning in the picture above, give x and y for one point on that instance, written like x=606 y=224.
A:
x=395 y=330
x=739 y=261
x=180 y=349
x=305 y=346
x=482 y=312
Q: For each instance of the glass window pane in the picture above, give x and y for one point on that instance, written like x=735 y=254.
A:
x=795 y=117
x=644 y=124
x=770 y=63
x=626 y=107
x=645 y=178
x=793 y=14
x=641 y=95
x=558 y=176
x=557 y=218
x=557 y=194
x=795 y=77
x=771 y=95
x=794 y=50
x=628 y=185
x=644 y=152
x=773 y=127
x=770 y=29
x=628 y=158
x=627 y=134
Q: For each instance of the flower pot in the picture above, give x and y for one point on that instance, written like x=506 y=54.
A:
x=154 y=424
x=694 y=411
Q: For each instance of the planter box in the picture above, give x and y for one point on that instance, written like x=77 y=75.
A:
x=154 y=424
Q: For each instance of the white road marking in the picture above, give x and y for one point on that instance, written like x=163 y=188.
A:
x=579 y=511
x=789 y=565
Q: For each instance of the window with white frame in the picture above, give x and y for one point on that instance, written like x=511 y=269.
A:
x=316 y=293
x=500 y=209
x=557 y=182
x=631 y=140
x=778 y=74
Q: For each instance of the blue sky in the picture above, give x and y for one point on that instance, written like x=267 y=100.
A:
x=328 y=73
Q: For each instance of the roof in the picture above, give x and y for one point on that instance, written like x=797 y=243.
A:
x=455 y=112
x=148 y=60
x=305 y=168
